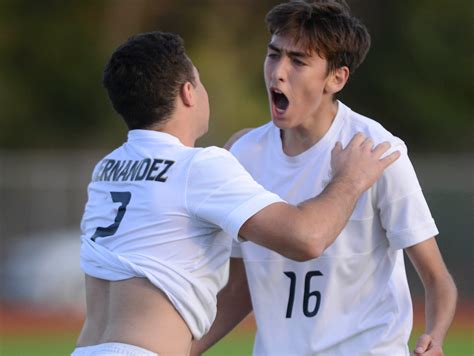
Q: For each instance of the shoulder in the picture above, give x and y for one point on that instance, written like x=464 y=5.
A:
x=355 y=122
x=250 y=137
x=212 y=156
x=235 y=137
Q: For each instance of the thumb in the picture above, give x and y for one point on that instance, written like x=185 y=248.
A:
x=422 y=343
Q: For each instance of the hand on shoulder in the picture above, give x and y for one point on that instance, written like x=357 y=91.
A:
x=359 y=163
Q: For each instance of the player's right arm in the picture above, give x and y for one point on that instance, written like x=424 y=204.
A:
x=304 y=231
x=233 y=305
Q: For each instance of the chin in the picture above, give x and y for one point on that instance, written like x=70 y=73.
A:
x=282 y=125
x=282 y=122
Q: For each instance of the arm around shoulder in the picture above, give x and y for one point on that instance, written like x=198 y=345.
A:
x=304 y=231
x=235 y=137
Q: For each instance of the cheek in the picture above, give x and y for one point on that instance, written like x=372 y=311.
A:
x=314 y=88
x=267 y=70
x=312 y=92
x=309 y=96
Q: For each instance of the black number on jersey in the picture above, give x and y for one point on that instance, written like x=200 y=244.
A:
x=307 y=297
x=117 y=197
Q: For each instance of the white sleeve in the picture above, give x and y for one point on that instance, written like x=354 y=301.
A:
x=236 y=251
x=221 y=191
x=404 y=212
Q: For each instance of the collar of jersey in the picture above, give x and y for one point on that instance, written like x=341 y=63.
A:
x=151 y=135
x=328 y=140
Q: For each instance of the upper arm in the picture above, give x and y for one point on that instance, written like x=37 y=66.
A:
x=402 y=207
x=235 y=137
x=220 y=191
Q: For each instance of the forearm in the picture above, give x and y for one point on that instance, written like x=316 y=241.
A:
x=233 y=305
x=440 y=305
x=224 y=323
x=326 y=215
x=440 y=295
x=303 y=232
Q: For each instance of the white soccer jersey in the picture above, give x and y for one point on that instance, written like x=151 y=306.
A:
x=354 y=299
x=167 y=212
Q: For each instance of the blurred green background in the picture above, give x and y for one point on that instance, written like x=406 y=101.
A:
x=56 y=121
x=417 y=79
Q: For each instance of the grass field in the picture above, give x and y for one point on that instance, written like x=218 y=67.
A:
x=25 y=334
x=237 y=344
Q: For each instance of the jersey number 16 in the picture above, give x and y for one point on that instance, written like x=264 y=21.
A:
x=308 y=295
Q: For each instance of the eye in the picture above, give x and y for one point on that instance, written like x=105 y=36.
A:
x=298 y=62
x=272 y=55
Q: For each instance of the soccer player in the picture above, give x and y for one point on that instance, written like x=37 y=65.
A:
x=161 y=214
x=354 y=298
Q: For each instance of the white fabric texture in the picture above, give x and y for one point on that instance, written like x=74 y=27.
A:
x=112 y=349
x=167 y=212
x=354 y=299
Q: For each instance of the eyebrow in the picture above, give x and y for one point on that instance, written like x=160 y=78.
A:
x=290 y=53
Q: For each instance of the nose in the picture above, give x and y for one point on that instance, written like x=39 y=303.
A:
x=280 y=70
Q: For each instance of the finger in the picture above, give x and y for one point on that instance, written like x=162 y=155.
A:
x=381 y=148
x=422 y=344
x=392 y=157
x=357 y=139
x=368 y=143
x=433 y=350
x=337 y=148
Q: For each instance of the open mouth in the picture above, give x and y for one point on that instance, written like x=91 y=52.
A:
x=280 y=101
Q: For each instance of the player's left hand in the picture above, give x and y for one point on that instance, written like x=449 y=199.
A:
x=427 y=346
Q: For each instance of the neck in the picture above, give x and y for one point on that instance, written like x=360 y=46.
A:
x=184 y=137
x=179 y=128
x=298 y=139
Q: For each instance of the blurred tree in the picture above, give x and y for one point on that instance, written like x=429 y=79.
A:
x=50 y=68
x=417 y=79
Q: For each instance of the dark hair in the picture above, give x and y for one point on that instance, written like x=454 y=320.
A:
x=324 y=26
x=144 y=76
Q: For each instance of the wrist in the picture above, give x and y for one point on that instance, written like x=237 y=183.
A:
x=348 y=185
x=436 y=338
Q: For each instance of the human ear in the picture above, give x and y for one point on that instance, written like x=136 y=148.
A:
x=186 y=94
x=337 y=80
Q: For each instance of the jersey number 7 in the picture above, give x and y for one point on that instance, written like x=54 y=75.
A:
x=117 y=197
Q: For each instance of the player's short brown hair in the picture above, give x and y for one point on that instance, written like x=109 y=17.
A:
x=324 y=26
x=144 y=76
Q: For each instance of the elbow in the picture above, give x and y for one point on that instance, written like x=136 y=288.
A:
x=314 y=250
x=312 y=241
x=300 y=251
x=314 y=245
x=309 y=250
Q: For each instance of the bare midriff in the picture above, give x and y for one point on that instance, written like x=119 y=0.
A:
x=135 y=312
